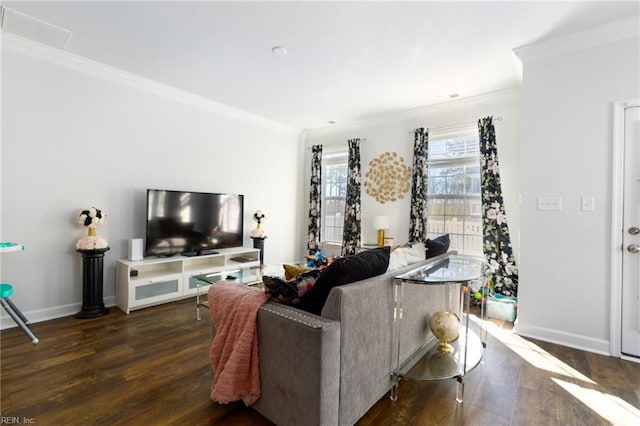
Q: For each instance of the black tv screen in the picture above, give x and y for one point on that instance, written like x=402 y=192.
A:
x=192 y=223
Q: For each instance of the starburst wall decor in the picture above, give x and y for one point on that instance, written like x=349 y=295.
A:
x=388 y=178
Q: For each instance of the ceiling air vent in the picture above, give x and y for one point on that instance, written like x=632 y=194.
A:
x=34 y=29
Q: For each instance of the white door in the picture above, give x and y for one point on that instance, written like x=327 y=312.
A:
x=631 y=238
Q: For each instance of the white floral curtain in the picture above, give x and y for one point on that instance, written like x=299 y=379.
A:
x=315 y=195
x=352 y=222
x=418 y=215
x=496 y=240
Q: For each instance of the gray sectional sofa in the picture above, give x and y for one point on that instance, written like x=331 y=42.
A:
x=330 y=369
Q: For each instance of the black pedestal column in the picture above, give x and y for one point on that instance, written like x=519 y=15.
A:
x=259 y=244
x=92 y=281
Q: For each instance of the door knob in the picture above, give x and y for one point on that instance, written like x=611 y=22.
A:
x=633 y=248
x=634 y=230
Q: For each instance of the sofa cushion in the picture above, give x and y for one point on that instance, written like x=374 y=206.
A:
x=437 y=246
x=342 y=271
x=289 y=292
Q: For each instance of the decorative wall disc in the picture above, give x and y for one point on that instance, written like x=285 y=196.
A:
x=388 y=178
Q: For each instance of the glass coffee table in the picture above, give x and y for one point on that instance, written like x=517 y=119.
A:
x=248 y=276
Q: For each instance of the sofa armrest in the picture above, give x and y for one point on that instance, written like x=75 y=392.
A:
x=299 y=366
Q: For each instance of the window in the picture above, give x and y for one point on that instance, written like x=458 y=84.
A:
x=334 y=191
x=454 y=204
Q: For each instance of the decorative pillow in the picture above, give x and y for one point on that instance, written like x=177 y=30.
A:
x=345 y=270
x=292 y=271
x=437 y=246
x=289 y=292
x=406 y=255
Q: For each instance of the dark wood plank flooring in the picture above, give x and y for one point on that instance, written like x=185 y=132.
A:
x=152 y=368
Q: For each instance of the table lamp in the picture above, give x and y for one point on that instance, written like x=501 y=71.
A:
x=381 y=223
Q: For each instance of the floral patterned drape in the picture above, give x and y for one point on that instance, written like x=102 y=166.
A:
x=418 y=217
x=351 y=232
x=315 y=192
x=496 y=240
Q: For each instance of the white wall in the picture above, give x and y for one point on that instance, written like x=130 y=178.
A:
x=567 y=152
x=76 y=134
x=395 y=134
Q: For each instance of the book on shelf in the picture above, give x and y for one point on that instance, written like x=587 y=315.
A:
x=244 y=259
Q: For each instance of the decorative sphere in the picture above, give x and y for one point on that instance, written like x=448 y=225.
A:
x=477 y=295
x=445 y=326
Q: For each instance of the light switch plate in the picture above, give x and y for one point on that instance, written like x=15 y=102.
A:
x=549 y=203
x=588 y=204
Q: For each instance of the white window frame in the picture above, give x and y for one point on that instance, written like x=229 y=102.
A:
x=332 y=226
x=464 y=229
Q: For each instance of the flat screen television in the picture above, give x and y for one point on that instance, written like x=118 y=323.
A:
x=192 y=223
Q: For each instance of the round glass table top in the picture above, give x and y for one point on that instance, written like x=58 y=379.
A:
x=452 y=268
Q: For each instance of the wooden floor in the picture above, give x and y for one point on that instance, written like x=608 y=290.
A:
x=152 y=368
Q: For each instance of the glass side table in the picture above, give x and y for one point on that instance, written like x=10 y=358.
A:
x=247 y=276
x=454 y=273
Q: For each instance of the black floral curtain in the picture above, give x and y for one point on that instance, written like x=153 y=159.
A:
x=496 y=240
x=418 y=218
x=351 y=232
x=315 y=193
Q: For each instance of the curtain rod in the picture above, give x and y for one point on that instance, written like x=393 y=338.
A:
x=453 y=126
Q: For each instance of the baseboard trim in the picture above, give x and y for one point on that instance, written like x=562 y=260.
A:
x=50 y=313
x=563 y=338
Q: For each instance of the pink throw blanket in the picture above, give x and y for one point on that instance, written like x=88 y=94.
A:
x=234 y=351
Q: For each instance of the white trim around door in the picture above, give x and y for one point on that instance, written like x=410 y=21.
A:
x=617 y=224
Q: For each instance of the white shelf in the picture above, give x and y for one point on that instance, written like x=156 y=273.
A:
x=161 y=280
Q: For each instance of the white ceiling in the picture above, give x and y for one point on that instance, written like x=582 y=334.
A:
x=346 y=61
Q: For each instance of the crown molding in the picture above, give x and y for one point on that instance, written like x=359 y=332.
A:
x=500 y=96
x=84 y=65
x=619 y=30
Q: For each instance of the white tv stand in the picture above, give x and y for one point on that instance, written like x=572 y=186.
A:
x=153 y=281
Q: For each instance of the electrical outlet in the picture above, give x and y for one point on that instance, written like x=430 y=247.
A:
x=549 y=203
x=588 y=204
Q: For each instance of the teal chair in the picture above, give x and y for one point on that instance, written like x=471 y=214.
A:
x=6 y=290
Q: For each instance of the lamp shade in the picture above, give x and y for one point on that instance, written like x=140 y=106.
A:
x=381 y=222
